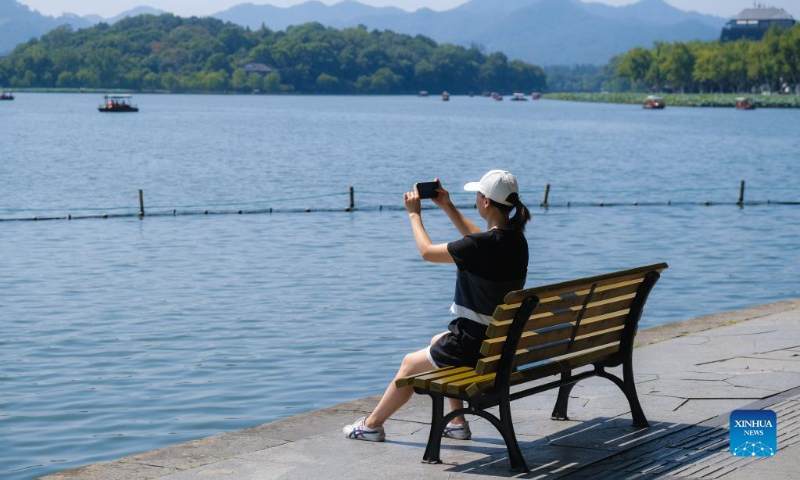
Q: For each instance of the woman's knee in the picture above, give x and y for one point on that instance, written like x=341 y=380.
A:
x=405 y=365
x=415 y=362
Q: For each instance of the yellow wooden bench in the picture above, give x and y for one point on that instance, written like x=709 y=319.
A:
x=540 y=332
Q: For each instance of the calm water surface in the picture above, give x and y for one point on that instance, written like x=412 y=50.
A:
x=120 y=335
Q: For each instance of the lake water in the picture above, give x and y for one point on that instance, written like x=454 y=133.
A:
x=124 y=335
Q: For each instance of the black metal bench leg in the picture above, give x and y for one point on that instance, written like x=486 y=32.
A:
x=628 y=387
x=437 y=427
x=560 y=410
x=506 y=428
x=639 y=420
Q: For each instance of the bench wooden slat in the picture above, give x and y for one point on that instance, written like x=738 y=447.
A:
x=586 y=342
x=424 y=381
x=572 y=285
x=551 y=304
x=588 y=325
x=408 y=381
x=485 y=382
x=548 y=319
x=440 y=385
x=459 y=386
x=493 y=346
x=522 y=357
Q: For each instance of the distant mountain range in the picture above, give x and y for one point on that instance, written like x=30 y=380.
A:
x=18 y=23
x=546 y=32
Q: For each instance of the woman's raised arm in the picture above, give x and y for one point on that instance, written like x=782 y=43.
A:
x=462 y=223
x=429 y=251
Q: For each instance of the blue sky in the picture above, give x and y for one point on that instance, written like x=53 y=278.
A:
x=107 y=8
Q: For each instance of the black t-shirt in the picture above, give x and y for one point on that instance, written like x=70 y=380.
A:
x=490 y=264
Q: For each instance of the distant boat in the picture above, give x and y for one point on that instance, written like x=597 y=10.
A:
x=118 y=104
x=653 y=102
x=744 y=103
x=422 y=93
x=518 y=97
x=6 y=95
x=445 y=97
x=536 y=95
x=497 y=96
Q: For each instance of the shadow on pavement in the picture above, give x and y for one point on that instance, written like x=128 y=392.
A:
x=600 y=448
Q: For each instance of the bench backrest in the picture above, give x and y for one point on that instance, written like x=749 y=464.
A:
x=569 y=324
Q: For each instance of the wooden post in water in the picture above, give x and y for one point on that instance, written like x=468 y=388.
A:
x=741 y=194
x=352 y=198
x=546 y=195
x=141 y=203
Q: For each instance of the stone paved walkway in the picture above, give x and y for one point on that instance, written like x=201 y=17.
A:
x=690 y=376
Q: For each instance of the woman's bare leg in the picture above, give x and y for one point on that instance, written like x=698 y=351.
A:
x=394 y=397
x=455 y=403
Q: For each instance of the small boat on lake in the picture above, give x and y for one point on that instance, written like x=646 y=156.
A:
x=497 y=96
x=744 y=103
x=653 y=102
x=422 y=93
x=518 y=97
x=445 y=97
x=118 y=104
x=6 y=95
x=536 y=95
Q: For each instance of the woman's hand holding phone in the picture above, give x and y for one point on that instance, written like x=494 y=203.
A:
x=413 y=202
x=443 y=199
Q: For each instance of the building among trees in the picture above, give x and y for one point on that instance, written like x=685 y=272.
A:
x=254 y=67
x=753 y=23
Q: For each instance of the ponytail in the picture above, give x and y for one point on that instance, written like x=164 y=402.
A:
x=521 y=214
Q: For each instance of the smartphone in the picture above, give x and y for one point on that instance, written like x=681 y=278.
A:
x=428 y=189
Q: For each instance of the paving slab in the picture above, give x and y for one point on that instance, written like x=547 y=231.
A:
x=116 y=470
x=690 y=375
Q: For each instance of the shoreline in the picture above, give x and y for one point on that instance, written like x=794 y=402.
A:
x=287 y=444
x=726 y=100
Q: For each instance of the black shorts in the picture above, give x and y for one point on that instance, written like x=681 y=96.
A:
x=461 y=346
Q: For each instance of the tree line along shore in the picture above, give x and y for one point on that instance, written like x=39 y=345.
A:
x=710 y=69
x=771 y=64
x=682 y=100
x=174 y=54
x=167 y=53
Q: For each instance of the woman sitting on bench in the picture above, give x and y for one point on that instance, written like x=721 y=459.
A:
x=490 y=264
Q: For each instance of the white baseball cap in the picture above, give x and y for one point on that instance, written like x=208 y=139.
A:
x=497 y=185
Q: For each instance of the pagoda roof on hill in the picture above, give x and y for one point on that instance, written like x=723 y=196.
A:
x=763 y=14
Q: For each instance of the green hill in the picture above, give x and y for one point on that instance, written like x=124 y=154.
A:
x=157 y=53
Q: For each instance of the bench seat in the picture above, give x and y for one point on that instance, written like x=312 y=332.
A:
x=465 y=382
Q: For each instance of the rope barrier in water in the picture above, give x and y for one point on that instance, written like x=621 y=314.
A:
x=208 y=209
